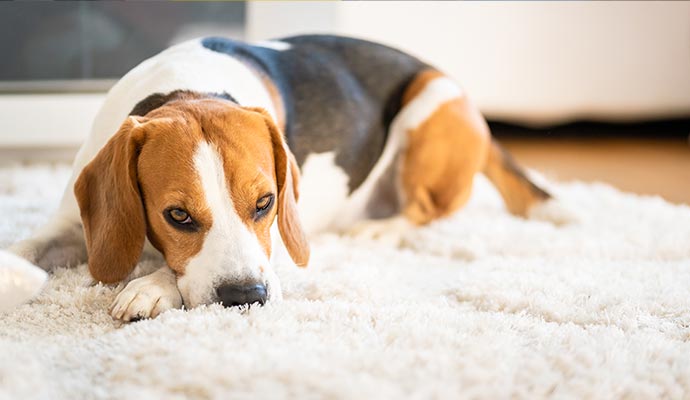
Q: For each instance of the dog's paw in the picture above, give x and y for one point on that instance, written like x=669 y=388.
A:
x=390 y=231
x=147 y=297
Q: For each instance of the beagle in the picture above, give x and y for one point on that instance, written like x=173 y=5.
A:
x=196 y=156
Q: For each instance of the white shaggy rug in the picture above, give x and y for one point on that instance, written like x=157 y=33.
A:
x=483 y=305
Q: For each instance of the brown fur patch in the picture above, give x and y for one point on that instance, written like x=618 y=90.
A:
x=442 y=157
x=112 y=213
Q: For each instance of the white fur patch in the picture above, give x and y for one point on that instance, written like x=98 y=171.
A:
x=425 y=103
x=230 y=253
x=273 y=45
x=323 y=191
x=147 y=297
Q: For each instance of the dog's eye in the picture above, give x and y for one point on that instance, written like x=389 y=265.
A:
x=180 y=216
x=180 y=220
x=263 y=205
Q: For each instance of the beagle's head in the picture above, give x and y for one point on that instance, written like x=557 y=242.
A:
x=204 y=179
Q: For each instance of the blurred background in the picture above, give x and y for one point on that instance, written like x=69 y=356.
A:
x=594 y=91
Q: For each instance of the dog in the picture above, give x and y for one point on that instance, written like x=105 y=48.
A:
x=196 y=153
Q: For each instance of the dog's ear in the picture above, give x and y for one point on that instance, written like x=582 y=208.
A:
x=287 y=179
x=289 y=224
x=112 y=211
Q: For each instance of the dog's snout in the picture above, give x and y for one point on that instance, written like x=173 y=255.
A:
x=239 y=295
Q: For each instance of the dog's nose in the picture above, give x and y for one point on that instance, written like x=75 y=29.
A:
x=239 y=295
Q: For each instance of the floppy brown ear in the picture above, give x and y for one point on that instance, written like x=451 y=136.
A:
x=289 y=223
x=112 y=212
x=287 y=177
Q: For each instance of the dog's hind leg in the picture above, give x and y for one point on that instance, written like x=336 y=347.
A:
x=58 y=243
x=447 y=143
x=441 y=142
x=449 y=147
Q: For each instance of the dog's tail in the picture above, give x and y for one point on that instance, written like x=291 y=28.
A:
x=519 y=193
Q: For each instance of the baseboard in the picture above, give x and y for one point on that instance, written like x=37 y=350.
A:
x=37 y=154
x=676 y=128
x=47 y=120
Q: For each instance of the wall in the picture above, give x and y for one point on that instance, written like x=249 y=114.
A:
x=536 y=63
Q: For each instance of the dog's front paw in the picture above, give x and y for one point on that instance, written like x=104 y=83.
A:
x=147 y=297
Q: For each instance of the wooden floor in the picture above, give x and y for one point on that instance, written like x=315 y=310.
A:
x=659 y=167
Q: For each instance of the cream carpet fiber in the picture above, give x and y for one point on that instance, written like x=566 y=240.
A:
x=483 y=305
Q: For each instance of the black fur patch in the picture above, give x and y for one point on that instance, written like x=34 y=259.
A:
x=157 y=100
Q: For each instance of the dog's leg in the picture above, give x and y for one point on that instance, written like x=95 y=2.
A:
x=440 y=141
x=147 y=297
x=448 y=147
x=59 y=243
x=447 y=143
